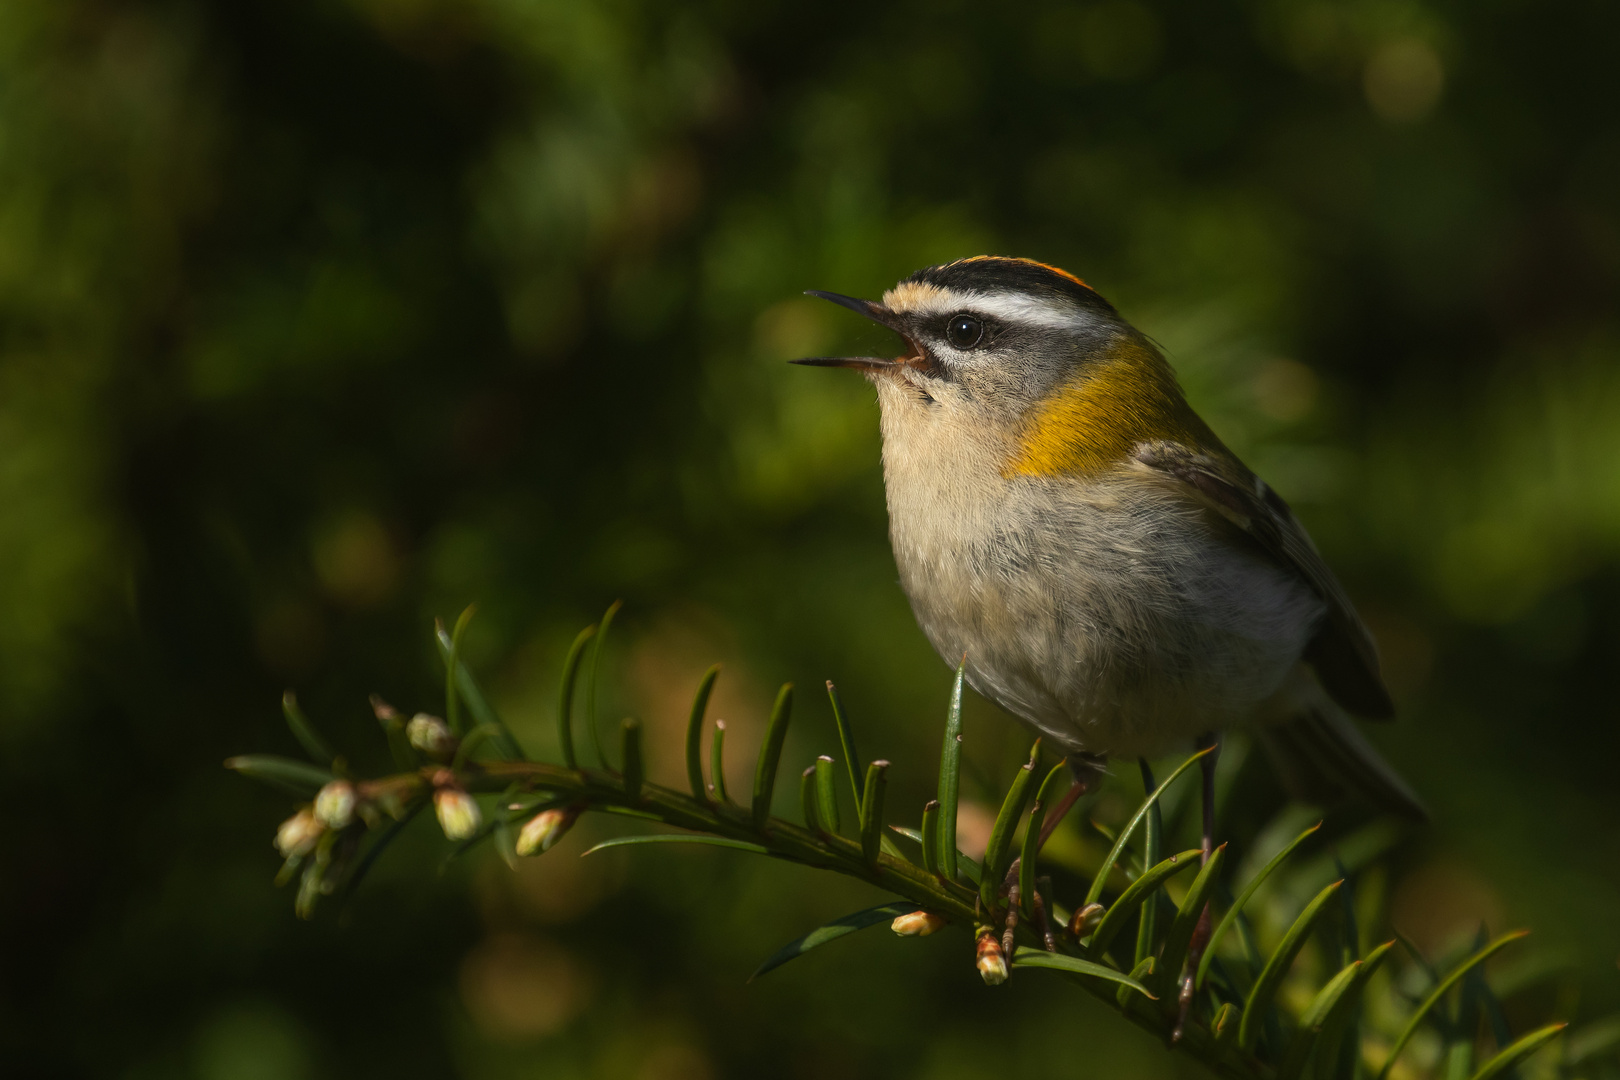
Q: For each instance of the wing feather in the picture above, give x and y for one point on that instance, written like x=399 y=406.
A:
x=1342 y=650
x=1322 y=758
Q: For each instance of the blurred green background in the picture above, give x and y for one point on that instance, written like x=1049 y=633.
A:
x=319 y=319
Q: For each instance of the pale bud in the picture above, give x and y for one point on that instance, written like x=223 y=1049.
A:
x=1086 y=920
x=309 y=893
x=992 y=962
x=917 y=924
x=334 y=804
x=458 y=813
x=431 y=735
x=298 y=834
x=545 y=829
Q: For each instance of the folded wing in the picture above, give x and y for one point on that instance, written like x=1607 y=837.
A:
x=1342 y=651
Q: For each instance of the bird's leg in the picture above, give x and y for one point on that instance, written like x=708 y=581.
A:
x=1206 y=766
x=1012 y=920
x=1009 y=884
x=1082 y=784
x=1201 y=932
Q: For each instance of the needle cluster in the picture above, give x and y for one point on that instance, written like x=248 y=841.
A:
x=1293 y=981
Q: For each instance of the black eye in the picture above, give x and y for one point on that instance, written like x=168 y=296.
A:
x=964 y=331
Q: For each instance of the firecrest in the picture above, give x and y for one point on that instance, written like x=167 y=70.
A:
x=1114 y=574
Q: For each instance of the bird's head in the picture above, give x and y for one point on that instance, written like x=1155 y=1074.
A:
x=1023 y=351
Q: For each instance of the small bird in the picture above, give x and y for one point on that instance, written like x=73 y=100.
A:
x=1115 y=576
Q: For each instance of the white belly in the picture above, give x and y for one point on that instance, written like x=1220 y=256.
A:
x=1102 y=611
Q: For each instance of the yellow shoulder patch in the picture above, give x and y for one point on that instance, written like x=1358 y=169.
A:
x=1092 y=421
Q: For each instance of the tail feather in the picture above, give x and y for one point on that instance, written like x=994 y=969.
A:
x=1324 y=758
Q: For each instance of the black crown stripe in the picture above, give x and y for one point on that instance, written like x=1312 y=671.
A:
x=991 y=273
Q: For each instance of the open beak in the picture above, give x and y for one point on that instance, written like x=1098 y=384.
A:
x=859 y=363
x=871 y=310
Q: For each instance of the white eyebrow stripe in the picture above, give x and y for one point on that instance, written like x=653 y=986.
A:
x=1009 y=307
x=1027 y=310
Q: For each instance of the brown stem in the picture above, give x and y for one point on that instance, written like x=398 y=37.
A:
x=599 y=789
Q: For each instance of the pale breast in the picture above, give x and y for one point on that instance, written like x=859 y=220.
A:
x=1104 y=611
